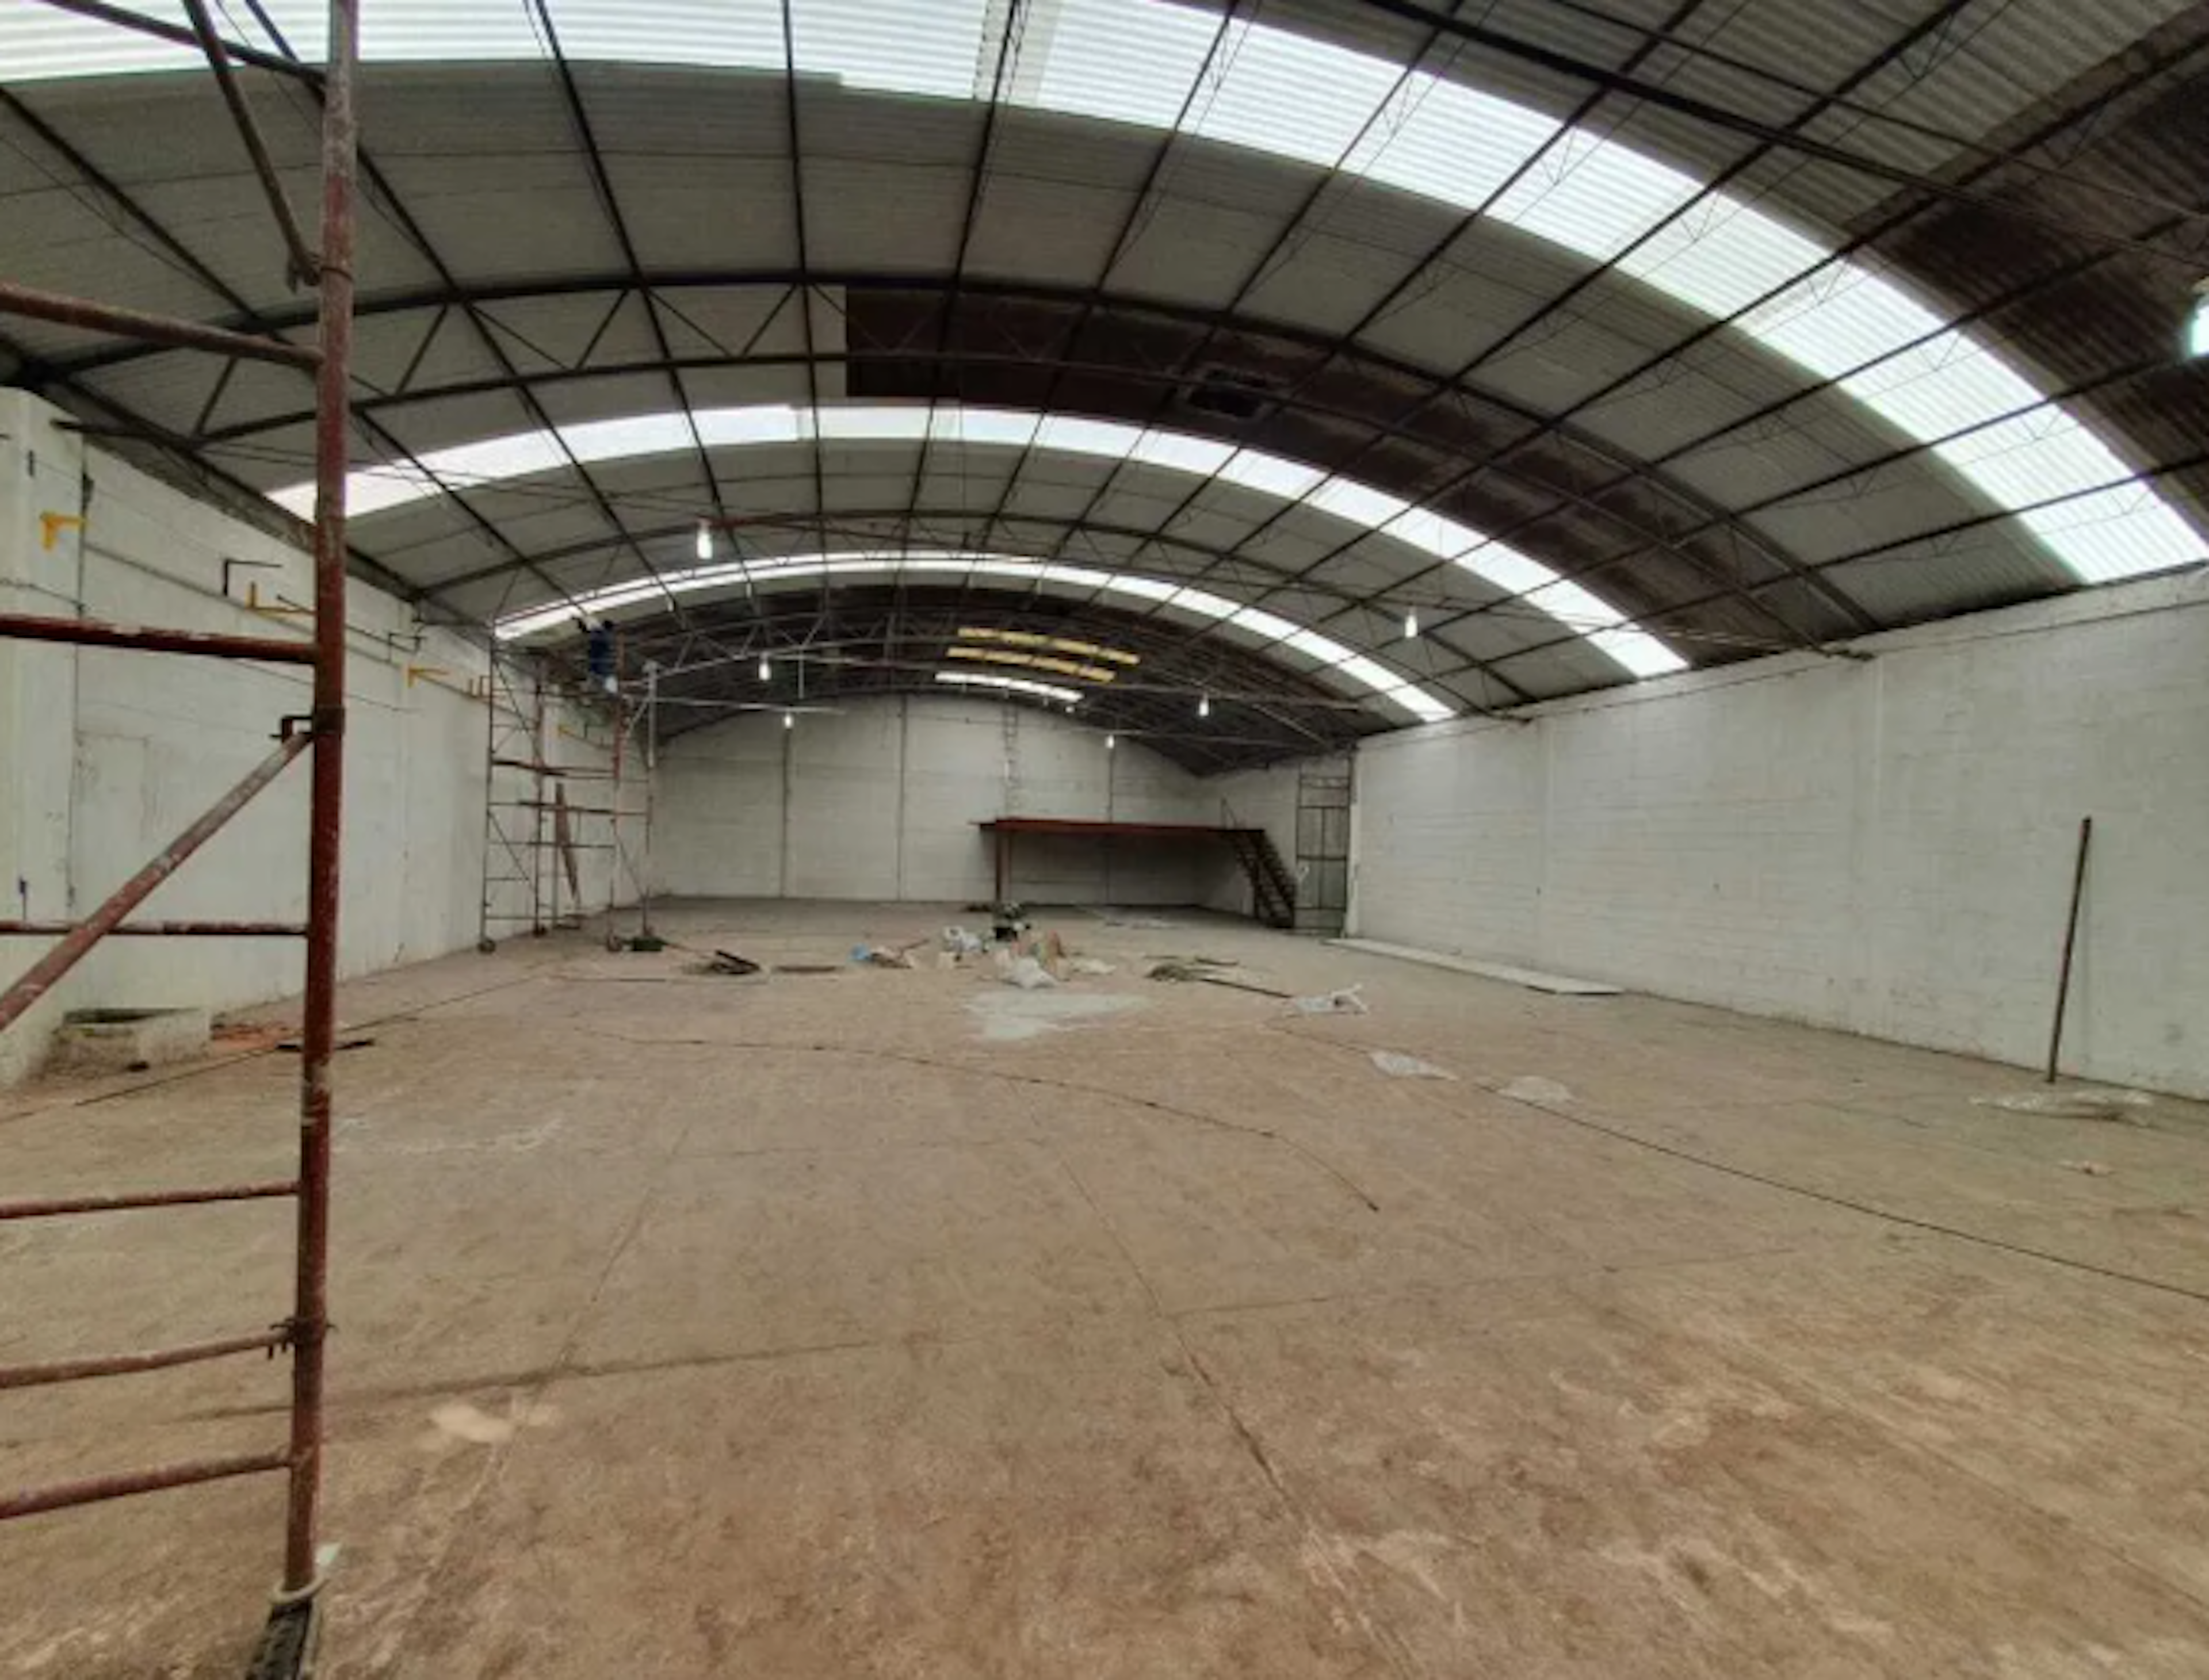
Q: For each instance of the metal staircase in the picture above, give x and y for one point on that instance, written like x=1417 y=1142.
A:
x=1272 y=887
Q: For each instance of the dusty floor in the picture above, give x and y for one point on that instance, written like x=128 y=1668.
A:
x=873 y=1323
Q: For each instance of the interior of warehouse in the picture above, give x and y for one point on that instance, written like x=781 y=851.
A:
x=1139 y=837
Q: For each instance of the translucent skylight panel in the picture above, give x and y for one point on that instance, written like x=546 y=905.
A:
x=1267 y=89
x=1438 y=534
x=977 y=426
x=1594 y=196
x=1722 y=256
x=1180 y=452
x=434 y=31
x=1289 y=95
x=1839 y=319
x=1360 y=504
x=1127 y=62
x=1313 y=645
x=619 y=440
x=1445 y=140
x=39 y=42
x=1639 y=651
x=895 y=46
x=1074 y=435
x=720 y=428
x=1270 y=475
x=872 y=423
x=1256 y=619
x=523 y=454
x=1507 y=569
x=716 y=35
x=1942 y=386
x=2117 y=533
x=494 y=460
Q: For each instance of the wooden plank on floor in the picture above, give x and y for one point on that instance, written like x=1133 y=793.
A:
x=1534 y=979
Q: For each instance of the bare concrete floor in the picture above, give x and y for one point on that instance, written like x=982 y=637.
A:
x=865 y=1324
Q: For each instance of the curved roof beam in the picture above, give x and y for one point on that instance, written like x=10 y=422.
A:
x=372 y=490
x=1269 y=631
x=1315 y=103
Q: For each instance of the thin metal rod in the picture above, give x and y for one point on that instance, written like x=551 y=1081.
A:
x=305 y=268
x=61 y=1495
x=163 y=930
x=124 y=1201
x=74 y=945
x=90 y=633
x=64 y=310
x=2070 y=944
x=160 y=30
x=127 y=1364
x=318 y=1027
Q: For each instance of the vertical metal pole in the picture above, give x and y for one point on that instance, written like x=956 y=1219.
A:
x=309 y=1325
x=540 y=857
x=651 y=779
x=491 y=797
x=614 y=812
x=2070 y=944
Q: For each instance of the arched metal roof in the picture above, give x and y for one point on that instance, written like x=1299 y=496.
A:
x=1729 y=330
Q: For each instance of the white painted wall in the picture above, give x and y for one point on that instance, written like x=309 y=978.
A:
x=105 y=755
x=1884 y=847
x=879 y=800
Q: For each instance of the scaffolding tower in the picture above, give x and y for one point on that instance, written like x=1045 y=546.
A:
x=287 y=1642
x=536 y=832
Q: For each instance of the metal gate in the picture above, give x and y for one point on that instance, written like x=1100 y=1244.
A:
x=1323 y=795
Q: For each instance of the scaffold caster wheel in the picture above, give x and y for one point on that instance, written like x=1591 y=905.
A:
x=486 y=945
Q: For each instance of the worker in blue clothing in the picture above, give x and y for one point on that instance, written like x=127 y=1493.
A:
x=600 y=656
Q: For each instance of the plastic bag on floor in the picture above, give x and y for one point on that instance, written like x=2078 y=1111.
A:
x=960 y=942
x=1534 y=1088
x=1026 y=973
x=1398 y=1066
x=1345 y=1002
x=2075 y=1105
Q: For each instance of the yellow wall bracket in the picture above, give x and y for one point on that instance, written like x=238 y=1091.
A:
x=52 y=525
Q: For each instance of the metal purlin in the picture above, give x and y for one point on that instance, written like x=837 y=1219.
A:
x=320 y=736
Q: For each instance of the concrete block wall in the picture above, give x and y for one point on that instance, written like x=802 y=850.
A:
x=1884 y=847
x=879 y=800
x=105 y=755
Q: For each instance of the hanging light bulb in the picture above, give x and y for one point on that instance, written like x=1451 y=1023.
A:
x=705 y=541
x=788 y=720
x=1111 y=741
x=1204 y=705
x=1411 y=624
x=767 y=671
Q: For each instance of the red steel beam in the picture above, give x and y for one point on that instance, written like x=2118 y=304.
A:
x=74 y=946
x=309 y=1324
x=124 y=1201
x=61 y=1495
x=90 y=633
x=164 y=930
x=64 y=310
x=125 y=1365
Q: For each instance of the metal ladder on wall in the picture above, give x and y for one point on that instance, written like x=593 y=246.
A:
x=288 y=1640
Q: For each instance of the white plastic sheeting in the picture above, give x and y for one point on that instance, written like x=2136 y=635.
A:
x=1246 y=624
x=370 y=490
